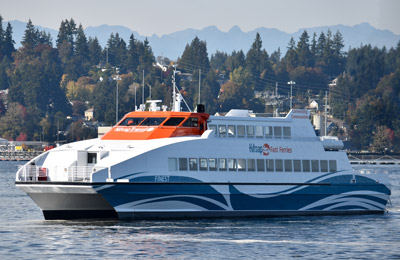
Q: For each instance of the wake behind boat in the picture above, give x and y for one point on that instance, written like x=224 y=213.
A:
x=174 y=164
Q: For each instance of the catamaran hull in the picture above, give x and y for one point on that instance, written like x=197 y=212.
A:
x=180 y=200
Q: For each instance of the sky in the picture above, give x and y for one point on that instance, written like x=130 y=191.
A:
x=149 y=17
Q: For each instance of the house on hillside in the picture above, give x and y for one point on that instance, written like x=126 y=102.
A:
x=89 y=114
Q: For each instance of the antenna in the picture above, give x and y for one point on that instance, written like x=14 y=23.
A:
x=176 y=96
x=291 y=92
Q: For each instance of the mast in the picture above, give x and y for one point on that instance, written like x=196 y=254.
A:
x=176 y=97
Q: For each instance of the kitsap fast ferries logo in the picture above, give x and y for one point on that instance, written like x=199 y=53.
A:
x=266 y=149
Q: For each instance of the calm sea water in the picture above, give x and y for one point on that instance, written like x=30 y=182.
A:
x=25 y=235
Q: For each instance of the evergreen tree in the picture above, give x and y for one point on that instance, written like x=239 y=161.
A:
x=338 y=59
x=367 y=66
x=116 y=51
x=276 y=56
x=132 y=61
x=2 y=51
x=303 y=51
x=81 y=51
x=195 y=57
x=209 y=92
x=266 y=66
x=235 y=60
x=218 y=61
x=36 y=82
x=291 y=58
x=4 y=79
x=66 y=48
x=31 y=38
x=67 y=32
x=313 y=48
x=319 y=53
x=94 y=51
x=254 y=57
x=103 y=102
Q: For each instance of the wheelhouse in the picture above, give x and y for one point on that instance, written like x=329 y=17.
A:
x=140 y=125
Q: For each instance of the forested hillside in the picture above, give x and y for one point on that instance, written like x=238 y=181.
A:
x=49 y=87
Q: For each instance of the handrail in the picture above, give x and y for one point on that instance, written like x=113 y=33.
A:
x=36 y=173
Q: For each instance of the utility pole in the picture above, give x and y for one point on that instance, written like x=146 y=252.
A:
x=326 y=112
x=135 y=98
x=117 y=78
x=58 y=132
x=143 y=88
x=291 y=92
x=199 y=85
x=107 y=56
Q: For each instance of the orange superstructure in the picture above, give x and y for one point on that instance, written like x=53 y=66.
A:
x=145 y=125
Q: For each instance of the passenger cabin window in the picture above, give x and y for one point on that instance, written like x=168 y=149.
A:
x=193 y=164
x=324 y=165
x=251 y=165
x=232 y=165
x=213 y=128
x=212 y=163
x=306 y=166
x=172 y=164
x=222 y=130
x=153 y=121
x=250 y=131
x=315 y=165
x=332 y=166
x=270 y=165
x=174 y=121
x=268 y=131
x=131 y=121
x=241 y=131
x=231 y=131
x=183 y=164
x=259 y=131
x=288 y=165
x=203 y=164
x=277 y=131
x=297 y=165
x=222 y=164
x=279 y=165
x=191 y=122
x=260 y=165
x=286 y=132
x=241 y=164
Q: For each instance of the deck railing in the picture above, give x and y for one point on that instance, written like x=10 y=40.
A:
x=56 y=173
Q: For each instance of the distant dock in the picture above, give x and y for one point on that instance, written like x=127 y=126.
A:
x=21 y=150
x=19 y=155
x=374 y=159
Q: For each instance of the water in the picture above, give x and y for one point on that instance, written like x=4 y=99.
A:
x=25 y=235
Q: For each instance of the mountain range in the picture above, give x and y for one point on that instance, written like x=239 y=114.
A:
x=172 y=45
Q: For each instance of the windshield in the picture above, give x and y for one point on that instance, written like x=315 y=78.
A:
x=131 y=121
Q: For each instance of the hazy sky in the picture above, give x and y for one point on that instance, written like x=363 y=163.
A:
x=162 y=17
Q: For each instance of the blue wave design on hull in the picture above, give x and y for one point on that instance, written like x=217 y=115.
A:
x=340 y=195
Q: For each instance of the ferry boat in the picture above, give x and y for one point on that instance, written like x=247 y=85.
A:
x=173 y=164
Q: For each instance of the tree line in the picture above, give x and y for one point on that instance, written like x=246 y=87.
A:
x=48 y=86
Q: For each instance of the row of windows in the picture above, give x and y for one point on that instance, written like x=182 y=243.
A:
x=251 y=131
x=260 y=165
x=155 y=121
